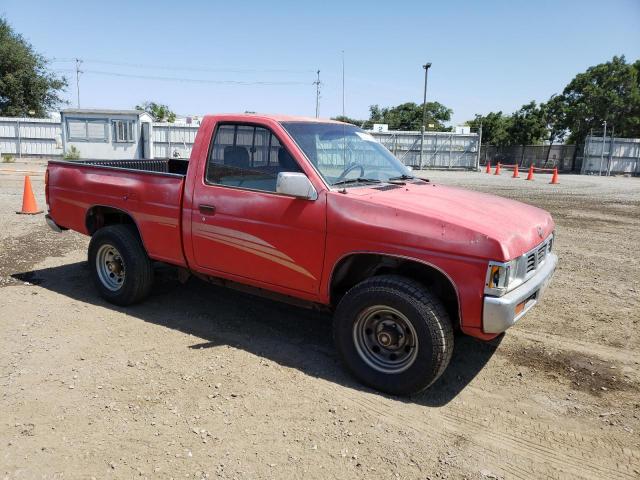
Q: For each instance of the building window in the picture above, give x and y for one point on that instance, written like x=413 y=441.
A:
x=123 y=131
x=87 y=130
x=249 y=157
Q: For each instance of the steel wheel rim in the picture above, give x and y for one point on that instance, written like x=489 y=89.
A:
x=385 y=339
x=110 y=267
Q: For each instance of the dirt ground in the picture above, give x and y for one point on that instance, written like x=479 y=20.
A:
x=202 y=382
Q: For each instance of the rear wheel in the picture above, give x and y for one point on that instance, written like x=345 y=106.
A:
x=121 y=270
x=393 y=334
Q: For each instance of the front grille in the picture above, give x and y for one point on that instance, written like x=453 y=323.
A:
x=542 y=253
x=538 y=255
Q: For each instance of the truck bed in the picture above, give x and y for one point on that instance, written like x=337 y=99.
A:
x=164 y=165
x=81 y=193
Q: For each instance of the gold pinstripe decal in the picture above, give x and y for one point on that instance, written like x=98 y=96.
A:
x=255 y=246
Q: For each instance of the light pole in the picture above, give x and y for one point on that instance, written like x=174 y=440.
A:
x=426 y=67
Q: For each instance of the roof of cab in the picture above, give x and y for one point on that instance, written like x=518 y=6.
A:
x=275 y=117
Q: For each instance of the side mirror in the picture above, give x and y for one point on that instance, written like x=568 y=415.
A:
x=295 y=185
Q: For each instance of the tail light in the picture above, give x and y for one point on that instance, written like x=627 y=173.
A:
x=46 y=186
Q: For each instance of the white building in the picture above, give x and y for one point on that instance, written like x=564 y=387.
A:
x=107 y=134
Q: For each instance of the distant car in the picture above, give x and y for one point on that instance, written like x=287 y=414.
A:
x=315 y=213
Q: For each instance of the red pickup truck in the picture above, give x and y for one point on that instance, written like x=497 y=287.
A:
x=317 y=213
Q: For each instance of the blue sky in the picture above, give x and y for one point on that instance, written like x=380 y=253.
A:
x=486 y=55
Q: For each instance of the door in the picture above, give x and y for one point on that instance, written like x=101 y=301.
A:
x=145 y=140
x=242 y=227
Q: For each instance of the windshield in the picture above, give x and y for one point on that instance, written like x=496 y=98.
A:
x=346 y=155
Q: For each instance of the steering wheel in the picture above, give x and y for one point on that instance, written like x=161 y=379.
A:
x=350 y=169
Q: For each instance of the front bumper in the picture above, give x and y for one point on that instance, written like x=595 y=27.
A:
x=500 y=313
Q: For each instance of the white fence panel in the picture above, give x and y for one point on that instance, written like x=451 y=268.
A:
x=30 y=136
x=440 y=149
x=173 y=141
x=611 y=155
x=40 y=136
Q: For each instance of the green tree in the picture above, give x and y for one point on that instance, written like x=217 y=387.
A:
x=606 y=92
x=527 y=126
x=26 y=86
x=159 y=111
x=554 y=117
x=495 y=128
x=359 y=123
x=408 y=116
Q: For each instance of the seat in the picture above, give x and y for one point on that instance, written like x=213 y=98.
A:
x=236 y=157
x=286 y=161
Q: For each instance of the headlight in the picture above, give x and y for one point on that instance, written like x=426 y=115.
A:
x=499 y=277
x=502 y=277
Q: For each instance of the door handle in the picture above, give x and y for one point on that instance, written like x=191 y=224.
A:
x=207 y=209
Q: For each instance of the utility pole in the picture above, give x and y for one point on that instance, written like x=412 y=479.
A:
x=317 y=84
x=78 y=72
x=604 y=135
x=479 y=148
x=611 y=144
x=426 y=67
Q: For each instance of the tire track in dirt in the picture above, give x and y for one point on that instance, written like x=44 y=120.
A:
x=604 y=352
x=518 y=447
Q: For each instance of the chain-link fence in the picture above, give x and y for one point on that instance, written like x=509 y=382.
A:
x=563 y=157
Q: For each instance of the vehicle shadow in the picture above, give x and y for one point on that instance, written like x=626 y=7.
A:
x=291 y=336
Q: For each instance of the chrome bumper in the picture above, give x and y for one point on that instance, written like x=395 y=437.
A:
x=499 y=313
x=52 y=225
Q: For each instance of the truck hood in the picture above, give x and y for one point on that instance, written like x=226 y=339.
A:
x=440 y=218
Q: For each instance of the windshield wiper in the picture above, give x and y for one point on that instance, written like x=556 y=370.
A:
x=356 y=180
x=404 y=176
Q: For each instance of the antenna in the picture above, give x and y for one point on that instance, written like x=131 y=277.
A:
x=78 y=72
x=343 y=110
x=344 y=128
x=317 y=84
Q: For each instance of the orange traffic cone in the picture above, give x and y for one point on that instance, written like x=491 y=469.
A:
x=530 y=174
x=515 y=172
x=554 y=178
x=488 y=170
x=497 y=169
x=29 y=205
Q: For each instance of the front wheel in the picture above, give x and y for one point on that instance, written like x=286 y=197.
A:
x=393 y=334
x=121 y=269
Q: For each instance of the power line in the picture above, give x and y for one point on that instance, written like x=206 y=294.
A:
x=193 y=80
x=182 y=67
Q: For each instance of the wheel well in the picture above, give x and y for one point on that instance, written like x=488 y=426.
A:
x=355 y=268
x=99 y=216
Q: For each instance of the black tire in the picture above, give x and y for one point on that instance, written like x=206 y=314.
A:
x=411 y=302
x=136 y=270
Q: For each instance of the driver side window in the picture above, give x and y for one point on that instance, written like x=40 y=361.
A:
x=248 y=156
